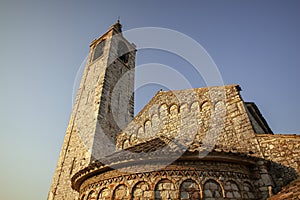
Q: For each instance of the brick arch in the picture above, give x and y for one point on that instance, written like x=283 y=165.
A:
x=133 y=138
x=248 y=191
x=165 y=189
x=194 y=104
x=104 y=194
x=162 y=177
x=121 y=191
x=140 y=132
x=204 y=104
x=219 y=108
x=213 y=189
x=184 y=107
x=161 y=109
x=189 y=189
x=141 y=190
x=232 y=190
x=155 y=115
x=146 y=122
x=176 y=108
x=147 y=128
x=238 y=182
x=215 y=104
x=91 y=195
x=190 y=178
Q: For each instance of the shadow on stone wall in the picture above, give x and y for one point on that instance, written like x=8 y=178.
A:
x=281 y=175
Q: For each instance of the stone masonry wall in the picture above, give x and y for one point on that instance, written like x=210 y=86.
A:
x=74 y=154
x=204 y=118
x=79 y=142
x=116 y=102
x=183 y=180
x=284 y=152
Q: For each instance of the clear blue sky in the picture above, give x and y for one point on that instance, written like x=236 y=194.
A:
x=255 y=44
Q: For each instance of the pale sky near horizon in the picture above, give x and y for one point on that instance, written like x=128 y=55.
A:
x=255 y=44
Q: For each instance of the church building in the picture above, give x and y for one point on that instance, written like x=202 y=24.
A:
x=201 y=143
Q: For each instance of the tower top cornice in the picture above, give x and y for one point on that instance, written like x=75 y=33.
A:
x=117 y=26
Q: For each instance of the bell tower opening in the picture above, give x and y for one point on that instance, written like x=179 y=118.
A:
x=123 y=52
x=98 y=50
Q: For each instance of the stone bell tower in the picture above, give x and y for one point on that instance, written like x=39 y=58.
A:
x=103 y=107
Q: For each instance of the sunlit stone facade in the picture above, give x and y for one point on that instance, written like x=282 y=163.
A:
x=202 y=143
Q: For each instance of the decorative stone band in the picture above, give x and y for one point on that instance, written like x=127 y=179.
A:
x=154 y=155
x=219 y=175
x=190 y=159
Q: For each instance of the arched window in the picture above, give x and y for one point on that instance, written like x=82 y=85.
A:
x=232 y=190
x=165 y=189
x=104 y=194
x=141 y=191
x=121 y=192
x=212 y=190
x=189 y=189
